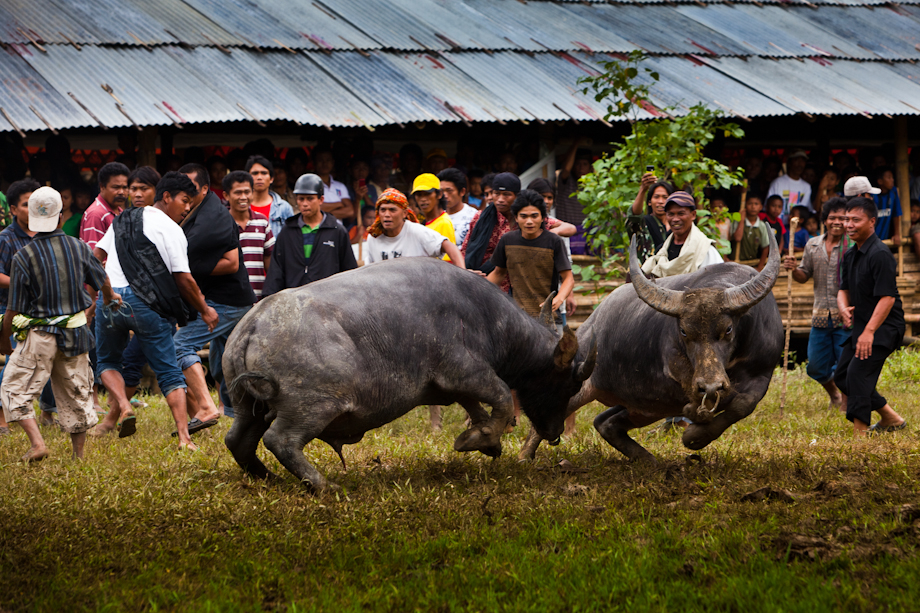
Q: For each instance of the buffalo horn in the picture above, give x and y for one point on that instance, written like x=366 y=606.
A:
x=546 y=313
x=587 y=367
x=740 y=298
x=661 y=299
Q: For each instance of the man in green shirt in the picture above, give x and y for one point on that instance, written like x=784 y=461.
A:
x=311 y=246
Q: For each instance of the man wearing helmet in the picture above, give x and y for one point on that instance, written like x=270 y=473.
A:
x=311 y=246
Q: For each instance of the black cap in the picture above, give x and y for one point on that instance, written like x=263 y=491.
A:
x=506 y=182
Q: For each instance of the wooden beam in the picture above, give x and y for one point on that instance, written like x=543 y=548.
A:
x=903 y=183
x=147 y=147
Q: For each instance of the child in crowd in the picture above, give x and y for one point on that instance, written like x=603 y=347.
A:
x=752 y=233
x=889 y=206
x=717 y=205
x=773 y=217
x=811 y=226
x=474 y=195
x=801 y=234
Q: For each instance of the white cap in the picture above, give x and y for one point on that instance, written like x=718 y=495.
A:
x=44 y=210
x=859 y=185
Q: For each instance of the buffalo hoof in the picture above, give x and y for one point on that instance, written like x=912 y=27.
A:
x=483 y=439
x=696 y=437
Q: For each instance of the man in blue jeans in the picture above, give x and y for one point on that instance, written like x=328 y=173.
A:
x=216 y=262
x=146 y=256
x=822 y=259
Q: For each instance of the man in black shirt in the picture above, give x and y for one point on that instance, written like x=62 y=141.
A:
x=216 y=263
x=868 y=301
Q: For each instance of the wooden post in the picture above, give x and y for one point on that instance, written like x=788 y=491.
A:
x=147 y=147
x=902 y=177
x=793 y=226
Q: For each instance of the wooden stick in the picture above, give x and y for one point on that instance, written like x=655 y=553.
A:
x=793 y=226
x=741 y=221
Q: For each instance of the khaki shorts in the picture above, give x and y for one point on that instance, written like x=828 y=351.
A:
x=28 y=370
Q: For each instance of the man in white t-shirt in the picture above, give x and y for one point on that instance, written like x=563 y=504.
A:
x=396 y=233
x=794 y=190
x=336 y=200
x=453 y=188
x=145 y=252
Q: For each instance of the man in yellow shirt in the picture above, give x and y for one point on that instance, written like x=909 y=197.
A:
x=426 y=189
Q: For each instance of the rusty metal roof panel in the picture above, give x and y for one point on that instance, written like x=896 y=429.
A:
x=42 y=20
x=541 y=86
x=840 y=87
x=251 y=24
x=25 y=95
x=319 y=25
x=660 y=29
x=880 y=33
x=541 y=26
x=175 y=21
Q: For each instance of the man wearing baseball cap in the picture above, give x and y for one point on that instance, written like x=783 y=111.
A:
x=791 y=187
x=687 y=249
x=859 y=186
x=46 y=309
x=426 y=189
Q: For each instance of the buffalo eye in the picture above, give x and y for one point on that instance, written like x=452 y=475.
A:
x=682 y=333
x=728 y=330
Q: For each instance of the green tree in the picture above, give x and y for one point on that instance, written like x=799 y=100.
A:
x=673 y=144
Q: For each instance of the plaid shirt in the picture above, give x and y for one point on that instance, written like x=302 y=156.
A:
x=46 y=280
x=12 y=239
x=826 y=272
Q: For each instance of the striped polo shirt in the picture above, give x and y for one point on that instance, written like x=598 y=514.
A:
x=257 y=242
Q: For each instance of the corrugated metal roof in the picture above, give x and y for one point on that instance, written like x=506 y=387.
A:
x=250 y=23
x=44 y=20
x=177 y=21
x=319 y=25
x=834 y=88
x=23 y=88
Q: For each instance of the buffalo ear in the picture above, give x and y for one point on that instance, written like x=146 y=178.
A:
x=565 y=350
x=587 y=367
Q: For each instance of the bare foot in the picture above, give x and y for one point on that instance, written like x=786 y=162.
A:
x=189 y=446
x=35 y=454
x=101 y=429
x=4 y=431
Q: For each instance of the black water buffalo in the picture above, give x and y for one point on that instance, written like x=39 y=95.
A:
x=342 y=356
x=702 y=345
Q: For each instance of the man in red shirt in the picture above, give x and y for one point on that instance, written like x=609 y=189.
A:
x=264 y=200
x=113 y=196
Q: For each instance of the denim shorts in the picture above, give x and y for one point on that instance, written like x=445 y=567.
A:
x=154 y=333
x=192 y=338
x=824 y=349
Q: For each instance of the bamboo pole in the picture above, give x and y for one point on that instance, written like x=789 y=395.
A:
x=793 y=226
x=902 y=170
x=741 y=221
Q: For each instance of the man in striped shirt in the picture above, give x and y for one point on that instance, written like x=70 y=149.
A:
x=47 y=280
x=113 y=196
x=256 y=239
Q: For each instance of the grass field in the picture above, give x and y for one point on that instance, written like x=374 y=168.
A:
x=140 y=526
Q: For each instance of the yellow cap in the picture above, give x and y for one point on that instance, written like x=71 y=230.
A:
x=425 y=183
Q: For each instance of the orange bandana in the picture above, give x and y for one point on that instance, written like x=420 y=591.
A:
x=391 y=196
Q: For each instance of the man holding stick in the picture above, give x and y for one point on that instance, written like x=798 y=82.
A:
x=822 y=260
x=868 y=301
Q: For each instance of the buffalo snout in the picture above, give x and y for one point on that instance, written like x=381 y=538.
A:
x=704 y=386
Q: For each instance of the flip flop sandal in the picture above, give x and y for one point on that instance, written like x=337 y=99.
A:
x=127 y=427
x=884 y=429
x=196 y=425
